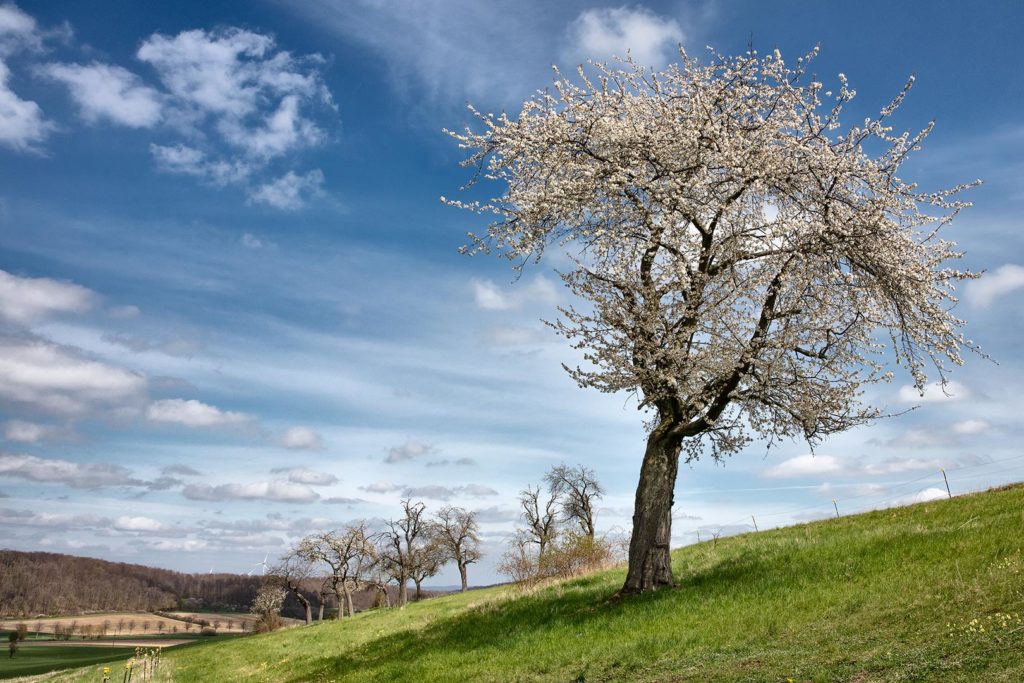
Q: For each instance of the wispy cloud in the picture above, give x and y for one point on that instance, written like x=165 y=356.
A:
x=303 y=439
x=983 y=292
x=304 y=475
x=279 y=491
x=192 y=413
x=409 y=450
x=73 y=474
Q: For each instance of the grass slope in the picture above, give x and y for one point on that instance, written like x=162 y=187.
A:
x=35 y=659
x=882 y=596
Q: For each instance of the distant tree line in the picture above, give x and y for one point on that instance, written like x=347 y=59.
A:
x=49 y=583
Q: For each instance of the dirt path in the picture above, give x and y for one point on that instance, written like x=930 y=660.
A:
x=106 y=643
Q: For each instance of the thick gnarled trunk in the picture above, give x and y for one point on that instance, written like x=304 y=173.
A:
x=462 y=575
x=650 y=562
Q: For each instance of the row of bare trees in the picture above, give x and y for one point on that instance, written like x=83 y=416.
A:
x=559 y=536
x=339 y=563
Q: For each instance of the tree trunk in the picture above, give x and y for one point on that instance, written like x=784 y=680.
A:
x=320 y=617
x=344 y=600
x=650 y=563
x=403 y=591
x=339 y=595
x=351 y=608
x=462 y=575
x=306 y=605
x=419 y=590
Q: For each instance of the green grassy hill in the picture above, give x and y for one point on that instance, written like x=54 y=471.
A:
x=909 y=594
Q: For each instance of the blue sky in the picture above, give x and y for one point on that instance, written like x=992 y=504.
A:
x=232 y=309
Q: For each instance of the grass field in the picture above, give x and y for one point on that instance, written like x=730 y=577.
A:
x=36 y=660
x=909 y=594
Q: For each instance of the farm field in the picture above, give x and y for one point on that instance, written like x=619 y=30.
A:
x=116 y=623
x=892 y=595
x=36 y=659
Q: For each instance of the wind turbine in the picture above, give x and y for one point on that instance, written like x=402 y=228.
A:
x=263 y=565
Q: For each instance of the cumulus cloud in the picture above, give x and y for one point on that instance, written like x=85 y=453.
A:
x=235 y=87
x=73 y=474
x=23 y=431
x=105 y=92
x=302 y=438
x=137 y=524
x=602 y=33
x=59 y=379
x=438 y=492
x=381 y=487
x=27 y=299
x=289 y=192
x=496 y=515
x=936 y=392
x=829 y=465
x=923 y=496
x=806 y=465
x=304 y=475
x=192 y=413
x=407 y=451
x=336 y=500
x=984 y=291
x=278 y=490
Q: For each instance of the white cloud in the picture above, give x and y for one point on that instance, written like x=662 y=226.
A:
x=972 y=426
x=923 y=496
x=488 y=296
x=381 y=487
x=137 y=524
x=192 y=413
x=51 y=519
x=73 y=474
x=250 y=241
x=277 y=490
x=806 y=465
x=58 y=379
x=291 y=191
x=983 y=292
x=23 y=431
x=302 y=438
x=829 y=465
x=107 y=92
x=186 y=160
x=304 y=475
x=407 y=451
x=437 y=492
x=22 y=126
x=600 y=34
x=26 y=299
x=936 y=392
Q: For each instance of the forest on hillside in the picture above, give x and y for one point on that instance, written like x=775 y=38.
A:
x=38 y=583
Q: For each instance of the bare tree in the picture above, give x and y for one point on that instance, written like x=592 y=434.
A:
x=348 y=553
x=746 y=267
x=457 y=530
x=578 y=490
x=399 y=546
x=427 y=559
x=291 y=573
x=541 y=516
